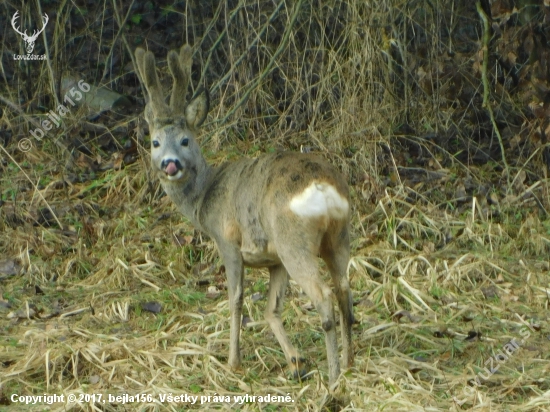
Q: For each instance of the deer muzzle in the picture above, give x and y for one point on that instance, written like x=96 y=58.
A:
x=171 y=166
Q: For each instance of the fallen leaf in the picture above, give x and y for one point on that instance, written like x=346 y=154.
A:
x=256 y=297
x=203 y=269
x=308 y=306
x=405 y=313
x=213 y=292
x=441 y=332
x=9 y=267
x=472 y=335
x=153 y=307
x=94 y=379
x=29 y=313
x=469 y=316
x=428 y=248
x=447 y=299
x=366 y=302
x=492 y=198
x=489 y=292
x=460 y=193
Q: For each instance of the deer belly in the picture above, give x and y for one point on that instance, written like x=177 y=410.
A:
x=259 y=254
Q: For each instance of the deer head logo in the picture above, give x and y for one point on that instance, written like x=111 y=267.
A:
x=29 y=40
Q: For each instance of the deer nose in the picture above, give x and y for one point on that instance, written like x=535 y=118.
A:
x=171 y=166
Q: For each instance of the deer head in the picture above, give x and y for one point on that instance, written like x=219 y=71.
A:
x=29 y=40
x=175 y=153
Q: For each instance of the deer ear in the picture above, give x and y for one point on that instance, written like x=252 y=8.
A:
x=197 y=109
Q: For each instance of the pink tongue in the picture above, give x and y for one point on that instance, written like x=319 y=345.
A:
x=171 y=169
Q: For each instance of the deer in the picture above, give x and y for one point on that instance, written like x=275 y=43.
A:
x=281 y=211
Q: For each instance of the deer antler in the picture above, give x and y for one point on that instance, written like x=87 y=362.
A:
x=14 y=18
x=35 y=33
x=146 y=66
x=45 y=20
x=180 y=67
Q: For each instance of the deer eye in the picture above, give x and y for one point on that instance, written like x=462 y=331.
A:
x=185 y=141
x=156 y=143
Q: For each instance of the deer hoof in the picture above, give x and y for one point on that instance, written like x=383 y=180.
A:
x=299 y=369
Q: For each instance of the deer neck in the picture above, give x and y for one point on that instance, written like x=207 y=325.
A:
x=187 y=195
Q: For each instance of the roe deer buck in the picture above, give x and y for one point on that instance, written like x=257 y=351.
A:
x=279 y=211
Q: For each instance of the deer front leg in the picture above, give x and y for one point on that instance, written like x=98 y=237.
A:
x=235 y=273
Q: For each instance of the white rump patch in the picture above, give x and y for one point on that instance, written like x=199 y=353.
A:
x=320 y=199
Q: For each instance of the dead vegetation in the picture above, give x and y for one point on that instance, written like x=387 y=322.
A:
x=105 y=289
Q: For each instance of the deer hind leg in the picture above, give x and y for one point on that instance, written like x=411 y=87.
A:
x=278 y=281
x=303 y=268
x=337 y=258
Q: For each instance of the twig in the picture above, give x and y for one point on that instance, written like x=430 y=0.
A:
x=486 y=89
x=74 y=312
x=128 y=48
x=220 y=37
x=119 y=32
x=48 y=62
x=242 y=57
x=267 y=70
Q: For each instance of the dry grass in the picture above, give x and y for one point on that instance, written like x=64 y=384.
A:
x=449 y=264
